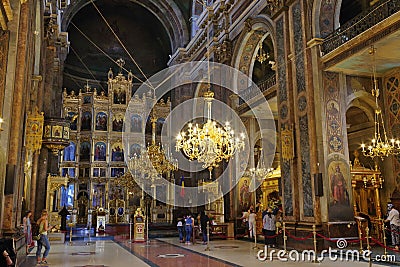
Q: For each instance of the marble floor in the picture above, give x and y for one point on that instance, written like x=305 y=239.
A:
x=169 y=252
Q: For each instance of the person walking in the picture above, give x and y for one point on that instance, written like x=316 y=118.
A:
x=204 y=219
x=28 y=230
x=245 y=220
x=394 y=220
x=180 y=230
x=269 y=228
x=188 y=228
x=252 y=223
x=43 y=240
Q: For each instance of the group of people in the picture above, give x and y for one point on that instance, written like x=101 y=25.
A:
x=186 y=225
x=43 y=241
x=269 y=218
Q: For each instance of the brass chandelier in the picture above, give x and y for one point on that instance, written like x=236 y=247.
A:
x=381 y=146
x=209 y=143
x=261 y=56
x=160 y=158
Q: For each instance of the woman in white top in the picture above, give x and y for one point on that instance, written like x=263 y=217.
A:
x=394 y=220
x=252 y=223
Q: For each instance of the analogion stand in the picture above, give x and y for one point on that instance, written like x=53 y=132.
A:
x=138 y=226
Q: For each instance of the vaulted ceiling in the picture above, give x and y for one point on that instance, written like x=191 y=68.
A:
x=147 y=33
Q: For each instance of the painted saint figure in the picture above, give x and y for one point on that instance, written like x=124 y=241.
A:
x=338 y=187
x=245 y=194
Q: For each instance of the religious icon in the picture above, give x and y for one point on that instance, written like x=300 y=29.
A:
x=117 y=152
x=116 y=172
x=338 y=187
x=119 y=96
x=47 y=131
x=135 y=149
x=57 y=131
x=136 y=123
x=101 y=121
x=84 y=154
x=100 y=151
x=66 y=133
x=69 y=152
x=118 y=123
x=86 y=121
x=244 y=193
x=72 y=117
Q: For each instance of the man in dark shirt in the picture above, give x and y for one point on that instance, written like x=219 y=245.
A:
x=203 y=223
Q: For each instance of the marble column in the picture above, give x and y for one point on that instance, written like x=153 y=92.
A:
x=21 y=84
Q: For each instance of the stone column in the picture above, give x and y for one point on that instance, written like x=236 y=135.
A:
x=21 y=84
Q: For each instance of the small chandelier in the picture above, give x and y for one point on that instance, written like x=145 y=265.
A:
x=161 y=160
x=261 y=171
x=261 y=56
x=380 y=145
x=210 y=143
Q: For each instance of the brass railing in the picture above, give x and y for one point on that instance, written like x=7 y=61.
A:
x=359 y=24
x=251 y=92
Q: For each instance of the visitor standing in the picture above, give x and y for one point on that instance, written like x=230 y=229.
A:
x=28 y=230
x=188 y=228
x=252 y=223
x=394 y=220
x=204 y=219
x=43 y=240
x=269 y=228
x=245 y=220
x=180 y=230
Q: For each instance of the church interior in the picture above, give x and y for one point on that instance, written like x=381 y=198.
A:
x=122 y=117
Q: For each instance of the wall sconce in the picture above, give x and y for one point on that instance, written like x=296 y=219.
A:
x=1 y=124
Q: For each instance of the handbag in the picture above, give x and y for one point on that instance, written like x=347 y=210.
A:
x=36 y=237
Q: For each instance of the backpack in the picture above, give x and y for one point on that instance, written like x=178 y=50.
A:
x=35 y=231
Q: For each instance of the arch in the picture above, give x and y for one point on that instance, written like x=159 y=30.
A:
x=363 y=100
x=325 y=17
x=246 y=48
x=166 y=11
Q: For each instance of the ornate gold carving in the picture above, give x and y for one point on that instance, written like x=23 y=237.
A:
x=34 y=130
x=287 y=143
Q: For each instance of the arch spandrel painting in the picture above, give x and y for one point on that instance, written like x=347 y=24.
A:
x=339 y=189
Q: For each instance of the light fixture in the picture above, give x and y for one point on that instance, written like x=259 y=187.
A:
x=380 y=146
x=1 y=124
x=261 y=172
x=261 y=56
x=209 y=143
x=161 y=160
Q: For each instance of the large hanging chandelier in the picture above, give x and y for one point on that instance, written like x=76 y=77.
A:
x=209 y=143
x=381 y=146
